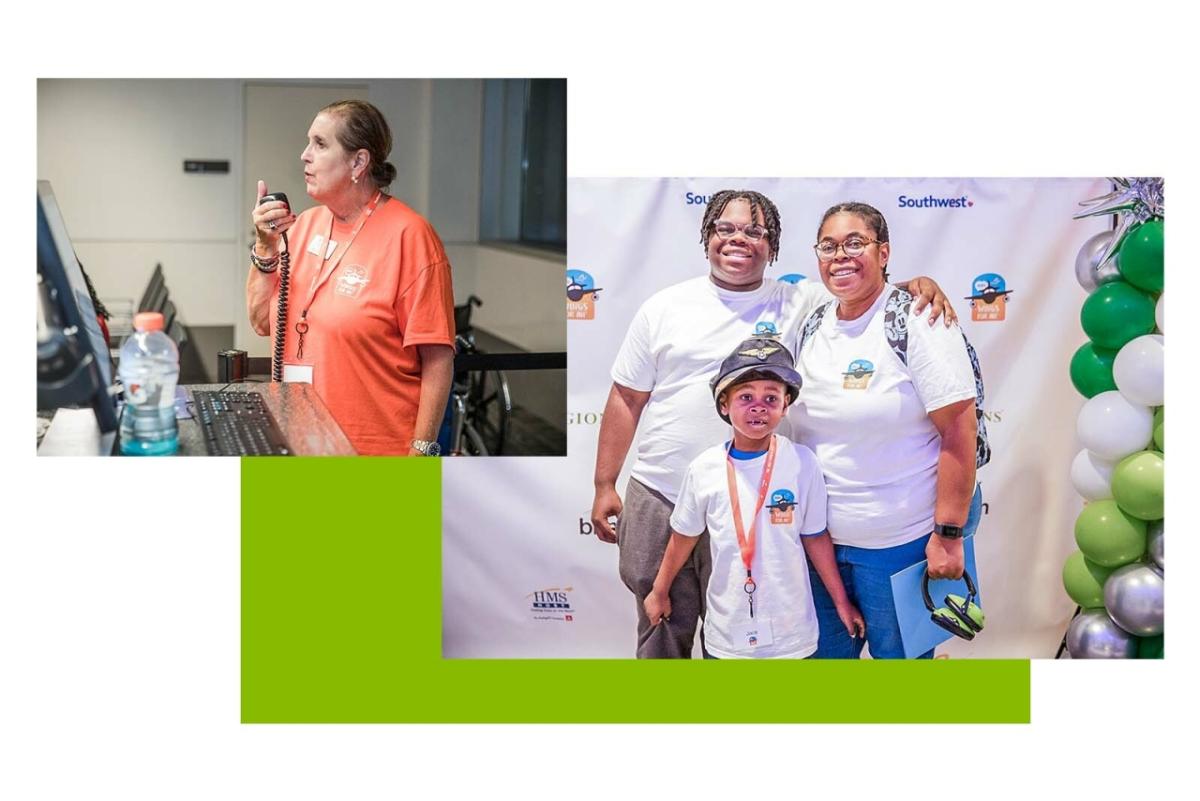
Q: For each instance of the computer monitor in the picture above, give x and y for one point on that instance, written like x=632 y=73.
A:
x=73 y=362
x=156 y=289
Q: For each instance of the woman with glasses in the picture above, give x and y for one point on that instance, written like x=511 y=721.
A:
x=889 y=405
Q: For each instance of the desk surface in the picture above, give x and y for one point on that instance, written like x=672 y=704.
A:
x=305 y=422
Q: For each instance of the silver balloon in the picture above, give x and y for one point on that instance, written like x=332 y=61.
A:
x=1154 y=542
x=1090 y=269
x=1133 y=595
x=1134 y=200
x=1093 y=635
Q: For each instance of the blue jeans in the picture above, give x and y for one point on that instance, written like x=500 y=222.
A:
x=867 y=574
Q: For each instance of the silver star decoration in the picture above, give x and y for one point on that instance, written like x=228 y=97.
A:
x=1135 y=200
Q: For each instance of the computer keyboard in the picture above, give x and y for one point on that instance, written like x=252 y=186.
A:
x=238 y=424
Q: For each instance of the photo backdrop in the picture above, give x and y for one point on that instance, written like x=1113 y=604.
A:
x=522 y=574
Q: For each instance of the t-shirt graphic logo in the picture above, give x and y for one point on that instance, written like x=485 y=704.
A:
x=766 y=329
x=858 y=374
x=783 y=505
x=792 y=278
x=351 y=280
x=989 y=298
x=582 y=294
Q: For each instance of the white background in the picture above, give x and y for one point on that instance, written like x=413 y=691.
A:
x=119 y=636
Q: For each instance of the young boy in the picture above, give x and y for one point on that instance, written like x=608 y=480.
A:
x=761 y=497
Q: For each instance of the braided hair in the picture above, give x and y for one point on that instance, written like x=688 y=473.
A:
x=758 y=202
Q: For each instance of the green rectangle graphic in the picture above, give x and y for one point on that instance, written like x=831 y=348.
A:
x=341 y=623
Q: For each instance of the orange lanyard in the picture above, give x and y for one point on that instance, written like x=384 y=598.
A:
x=324 y=272
x=746 y=541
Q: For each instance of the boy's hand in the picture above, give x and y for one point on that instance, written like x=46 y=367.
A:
x=657 y=606
x=852 y=619
x=945 y=557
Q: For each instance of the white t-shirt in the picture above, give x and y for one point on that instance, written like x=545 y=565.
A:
x=784 y=625
x=675 y=345
x=866 y=415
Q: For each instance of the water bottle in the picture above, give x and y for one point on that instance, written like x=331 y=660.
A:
x=149 y=370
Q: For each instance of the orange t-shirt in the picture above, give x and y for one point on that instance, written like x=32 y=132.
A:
x=368 y=309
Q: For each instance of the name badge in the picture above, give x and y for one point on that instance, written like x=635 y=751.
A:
x=317 y=242
x=754 y=634
x=298 y=373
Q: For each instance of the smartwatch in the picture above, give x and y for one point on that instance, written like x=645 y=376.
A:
x=426 y=447
x=949 y=532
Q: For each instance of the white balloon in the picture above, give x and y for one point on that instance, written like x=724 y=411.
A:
x=1092 y=476
x=1112 y=428
x=1159 y=308
x=1138 y=370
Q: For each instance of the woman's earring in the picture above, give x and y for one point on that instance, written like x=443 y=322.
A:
x=354 y=178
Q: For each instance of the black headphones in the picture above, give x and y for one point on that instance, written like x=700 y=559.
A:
x=960 y=616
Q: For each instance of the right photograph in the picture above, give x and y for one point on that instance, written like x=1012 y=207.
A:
x=837 y=418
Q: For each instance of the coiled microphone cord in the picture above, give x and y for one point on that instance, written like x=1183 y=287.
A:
x=281 y=311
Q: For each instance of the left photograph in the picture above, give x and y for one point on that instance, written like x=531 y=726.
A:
x=301 y=268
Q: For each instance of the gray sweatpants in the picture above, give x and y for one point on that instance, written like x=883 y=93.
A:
x=642 y=534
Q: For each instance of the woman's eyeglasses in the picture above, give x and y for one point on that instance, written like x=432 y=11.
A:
x=826 y=251
x=752 y=231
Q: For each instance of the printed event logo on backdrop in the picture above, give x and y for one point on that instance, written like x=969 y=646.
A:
x=989 y=298
x=582 y=293
x=792 y=278
x=553 y=603
x=933 y=202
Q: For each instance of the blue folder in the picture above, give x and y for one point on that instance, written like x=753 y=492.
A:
x=917 y=631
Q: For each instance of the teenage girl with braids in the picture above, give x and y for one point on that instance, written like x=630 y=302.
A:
x=369 y=306
x=674 y=345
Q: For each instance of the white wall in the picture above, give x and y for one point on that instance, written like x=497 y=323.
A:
x=523 y=300
x=114 y=151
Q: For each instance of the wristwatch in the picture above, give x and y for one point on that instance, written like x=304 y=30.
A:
x=426 y=447
x=949 y=532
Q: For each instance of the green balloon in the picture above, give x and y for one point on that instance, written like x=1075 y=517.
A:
x=1116 y=313
x=1140 y=257
x=1137 y=483
x=1150 y=647
x=1091 y=370
x=1109 y=536
x=1084 y=580
x=1158 y=428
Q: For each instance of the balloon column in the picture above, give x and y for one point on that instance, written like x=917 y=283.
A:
x=1116 y=576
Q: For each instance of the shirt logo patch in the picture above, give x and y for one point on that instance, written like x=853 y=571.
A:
x=351 y=280
x=858 y=374
x=783 y=505
x=766 y=329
